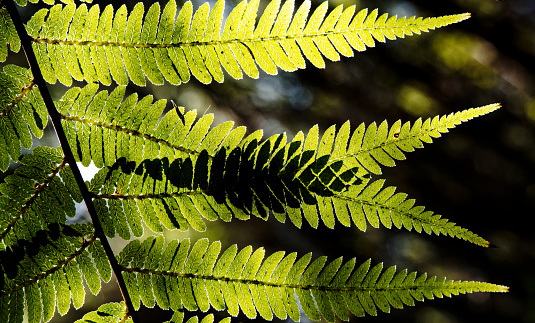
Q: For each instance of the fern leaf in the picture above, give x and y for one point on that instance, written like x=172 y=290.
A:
x=164 y=48
x=374 y=145
x=169 y=182
x=21 y=107
x=110 y=312
x=251 y=284
x=40 y=253
x=384 y=207
x=182 y=205
x=34 y=196
x=56 y=258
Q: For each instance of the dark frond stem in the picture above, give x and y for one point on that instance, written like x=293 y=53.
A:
x=56 y=121
x=430 y=287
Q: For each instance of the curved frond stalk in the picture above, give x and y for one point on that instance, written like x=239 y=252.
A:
x=22 y=112
x=110 y=312
x=161 y=47
x=249 y=282
x=45 y=273
x=8 y=34
x=40 y=192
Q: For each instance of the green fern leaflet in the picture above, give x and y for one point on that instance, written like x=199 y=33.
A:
x=75 y=42
x=244 y=281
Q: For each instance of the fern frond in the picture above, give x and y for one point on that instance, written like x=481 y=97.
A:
x=96 y=119
x=45 y=273
x=98 y=130
x=110 y=312
x=35 y=195
x=8 y=35
x=377 y=205
x=177 y=185
x=249 y=179
x=374 y=145
x=21 y=107
x=246 y=281
x=160 y=47
x=39 y=254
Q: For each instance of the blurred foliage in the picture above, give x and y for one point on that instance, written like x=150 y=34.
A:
x=481 y=175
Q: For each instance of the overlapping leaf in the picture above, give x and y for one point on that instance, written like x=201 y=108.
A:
x=176 y=173
x=40 y=192
x=249 y=179
x=86 y=44
x=42 y=260
x=21 y=107
x=95 y=125
x=45 y=273
x=175 y=277
x=95 y=119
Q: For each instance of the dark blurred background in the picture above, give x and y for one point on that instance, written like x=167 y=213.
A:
x=480 y=175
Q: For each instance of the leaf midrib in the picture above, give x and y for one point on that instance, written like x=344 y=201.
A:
x=295 y=286
x=230 y=41
x=16 y=101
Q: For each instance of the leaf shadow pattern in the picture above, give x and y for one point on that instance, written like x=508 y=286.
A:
x=42 y=242
x=249 y=180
